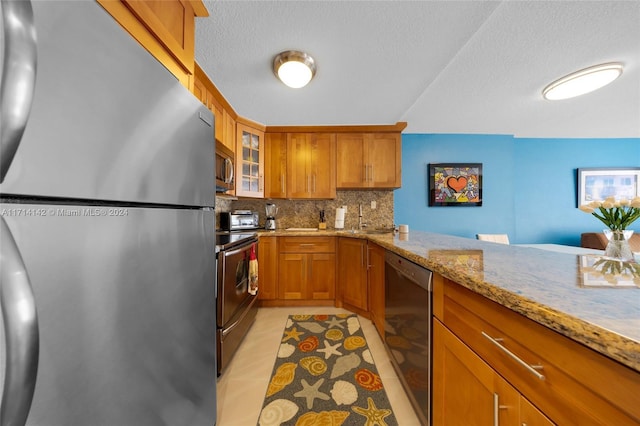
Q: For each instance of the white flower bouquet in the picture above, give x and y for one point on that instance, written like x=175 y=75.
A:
x=617 y=215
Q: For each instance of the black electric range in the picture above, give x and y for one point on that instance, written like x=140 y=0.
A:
x=236 y=306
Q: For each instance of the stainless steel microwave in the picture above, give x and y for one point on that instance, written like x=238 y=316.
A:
x=224 y=168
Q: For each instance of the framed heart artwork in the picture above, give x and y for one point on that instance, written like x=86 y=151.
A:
x=455 y=184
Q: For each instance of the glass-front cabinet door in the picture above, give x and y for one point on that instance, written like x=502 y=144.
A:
x=249 y=162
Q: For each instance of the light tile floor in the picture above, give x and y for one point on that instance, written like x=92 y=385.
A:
x=242 y=387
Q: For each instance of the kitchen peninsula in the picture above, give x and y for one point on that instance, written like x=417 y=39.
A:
x=586 y=339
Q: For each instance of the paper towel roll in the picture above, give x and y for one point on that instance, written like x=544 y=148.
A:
x=339 y=218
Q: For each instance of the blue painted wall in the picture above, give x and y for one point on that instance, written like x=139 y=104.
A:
x=529 y=185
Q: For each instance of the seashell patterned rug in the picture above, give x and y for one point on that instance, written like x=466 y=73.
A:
x=324 y=374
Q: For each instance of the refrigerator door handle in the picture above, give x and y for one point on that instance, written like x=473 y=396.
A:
x=18 y=308
x=18 y=77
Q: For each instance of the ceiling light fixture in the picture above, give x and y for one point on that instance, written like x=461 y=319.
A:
x=294 y=68
x=583 y=81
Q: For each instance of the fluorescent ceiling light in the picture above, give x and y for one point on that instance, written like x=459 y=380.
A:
x=583 y=81
x=294 y=68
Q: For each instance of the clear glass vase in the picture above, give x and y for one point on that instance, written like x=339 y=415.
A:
x=618 y=246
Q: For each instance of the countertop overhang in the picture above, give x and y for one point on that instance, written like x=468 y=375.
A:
x=544 y=286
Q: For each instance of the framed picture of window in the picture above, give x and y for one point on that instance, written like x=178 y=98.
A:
x=455 y=184
x=596 y=184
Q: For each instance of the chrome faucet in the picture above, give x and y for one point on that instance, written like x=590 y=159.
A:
x=361 y=224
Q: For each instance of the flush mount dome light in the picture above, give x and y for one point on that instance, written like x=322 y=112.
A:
x=583 y=81
x=294 y=68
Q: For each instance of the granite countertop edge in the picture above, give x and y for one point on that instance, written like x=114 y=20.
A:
x=614 y=345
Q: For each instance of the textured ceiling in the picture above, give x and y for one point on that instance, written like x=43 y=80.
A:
x=442 y=66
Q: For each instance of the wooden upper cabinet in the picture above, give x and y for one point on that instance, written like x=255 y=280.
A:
x=350 y=162
x=368 y=160
x=275 y=165
x=210 y=96
x=323 y=165
x=200 y=91
x=249 y=161
x=166 y=28
x=311 y=166
x=230 y=133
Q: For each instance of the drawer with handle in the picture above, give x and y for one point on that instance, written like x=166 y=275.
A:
x=569 y=382
x=307 y=244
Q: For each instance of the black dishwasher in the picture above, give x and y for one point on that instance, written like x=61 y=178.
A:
x=408 y=328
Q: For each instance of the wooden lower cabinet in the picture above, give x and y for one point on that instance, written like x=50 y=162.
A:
x=352 y=272
x=531 y=416
x=267 y=268
x=361 y=279
x=376 y=286
x=309 y=269
x=481 y=348
x=466 y=391
x=306 y=268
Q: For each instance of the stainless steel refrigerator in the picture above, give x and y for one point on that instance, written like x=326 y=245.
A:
x=107 y=243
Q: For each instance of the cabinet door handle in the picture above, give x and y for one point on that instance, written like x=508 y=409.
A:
x=366 y=173
x=314 y=183
x=531 y=368
x=496 y=409
x=371 y=173
x=282 y=177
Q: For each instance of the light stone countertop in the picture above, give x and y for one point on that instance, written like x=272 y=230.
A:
x=550 y=288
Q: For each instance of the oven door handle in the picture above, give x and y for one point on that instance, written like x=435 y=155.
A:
x=244 y=247
x=241 y=319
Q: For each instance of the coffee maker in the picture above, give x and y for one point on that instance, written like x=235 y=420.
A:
x=271 y=211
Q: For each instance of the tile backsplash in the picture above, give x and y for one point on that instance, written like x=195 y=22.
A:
x=306 y=213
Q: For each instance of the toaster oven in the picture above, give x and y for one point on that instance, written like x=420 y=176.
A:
x=238 y=220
